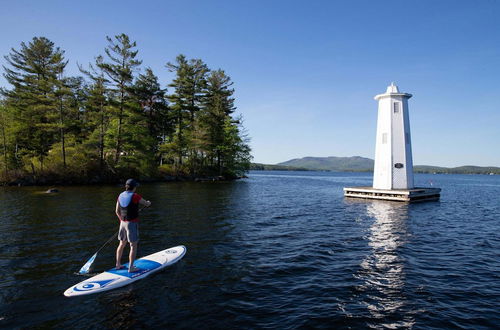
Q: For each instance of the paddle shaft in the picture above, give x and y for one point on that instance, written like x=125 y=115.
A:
x=109 y=240
x=114 y=235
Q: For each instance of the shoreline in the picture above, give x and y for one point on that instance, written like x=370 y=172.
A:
x=419 y=171
x=47 y=182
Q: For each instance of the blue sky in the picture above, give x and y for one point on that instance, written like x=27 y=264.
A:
x=306 y=72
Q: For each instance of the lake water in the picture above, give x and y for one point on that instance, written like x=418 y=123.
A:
x=277 y=250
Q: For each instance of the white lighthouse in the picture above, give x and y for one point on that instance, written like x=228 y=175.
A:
x=393 y=171
x=393 y=159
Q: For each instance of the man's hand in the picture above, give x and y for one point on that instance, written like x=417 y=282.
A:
x=145 y=203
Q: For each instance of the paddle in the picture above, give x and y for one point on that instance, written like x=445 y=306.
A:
x=85 y=269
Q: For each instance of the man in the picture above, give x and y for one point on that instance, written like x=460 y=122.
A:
x=127 y=211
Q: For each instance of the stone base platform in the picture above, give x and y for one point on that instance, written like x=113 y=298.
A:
x=400 y=195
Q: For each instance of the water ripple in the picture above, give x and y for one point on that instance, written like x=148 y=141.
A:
x=277 y=250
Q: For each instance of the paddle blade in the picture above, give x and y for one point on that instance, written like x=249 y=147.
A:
x=85 y=269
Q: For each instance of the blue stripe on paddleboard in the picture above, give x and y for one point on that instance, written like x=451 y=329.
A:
x=144 y=266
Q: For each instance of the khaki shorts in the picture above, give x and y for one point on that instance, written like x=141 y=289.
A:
x=129 y=231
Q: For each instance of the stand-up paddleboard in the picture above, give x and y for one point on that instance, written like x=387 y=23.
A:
x=115 y=278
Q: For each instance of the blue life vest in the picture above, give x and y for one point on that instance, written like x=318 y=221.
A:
x=128 y=209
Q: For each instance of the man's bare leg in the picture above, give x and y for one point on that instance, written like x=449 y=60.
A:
x=119 y=252
x=131 y=257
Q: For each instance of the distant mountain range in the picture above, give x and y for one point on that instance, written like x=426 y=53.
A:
x=355 y=163
x=361 y=164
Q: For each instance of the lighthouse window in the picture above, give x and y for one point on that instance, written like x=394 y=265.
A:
x=384 y=138
x=396 y=107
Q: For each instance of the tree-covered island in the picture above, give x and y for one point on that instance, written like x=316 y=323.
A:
x=115 y=120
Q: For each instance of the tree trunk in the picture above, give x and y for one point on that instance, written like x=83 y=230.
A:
x=61 y=121
x=32 y=169
x=4 y=149
x=219 y=163
x=179 y=134
x=119 y=137
x=101 y=141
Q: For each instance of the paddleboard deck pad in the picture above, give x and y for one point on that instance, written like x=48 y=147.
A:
x=115 y=278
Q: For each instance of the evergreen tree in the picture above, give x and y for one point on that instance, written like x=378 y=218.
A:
x=62 y=93
x=179 y=106
x=119 y=70
x=76 y=99
x=9 y=147
x=3 y=130
x=34 y=74
x=189 y=88
x=235 y=151
x=97 y=115
x=218 y=107
x=138 y=157
x=153 y=102
x=112 y=125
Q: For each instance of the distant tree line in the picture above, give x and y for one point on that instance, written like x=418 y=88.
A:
x=267 y=167
x=115 y=120
x=457 y=170
x=417 y=169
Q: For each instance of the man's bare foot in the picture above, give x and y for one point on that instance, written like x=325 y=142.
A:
x=133 y=269
x=119 y=267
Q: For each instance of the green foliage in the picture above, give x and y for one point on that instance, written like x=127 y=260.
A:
x=4 y=127
x=234 y=150
x=186 y=102
x=115 y=122
x=157 y=117
x=34 y=74
x=119 y=69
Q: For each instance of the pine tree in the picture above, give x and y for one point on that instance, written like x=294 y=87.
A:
x=63 y=94
x=96 y=109
x=113 y=125
x=235 y=151
x=34 y=75
x=218 y=107
x=3 y=130
x=189 y=88
x=119 y=70
x=76 y=99
x=153 y=102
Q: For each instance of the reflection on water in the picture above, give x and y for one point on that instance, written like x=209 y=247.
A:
x=382 y=271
